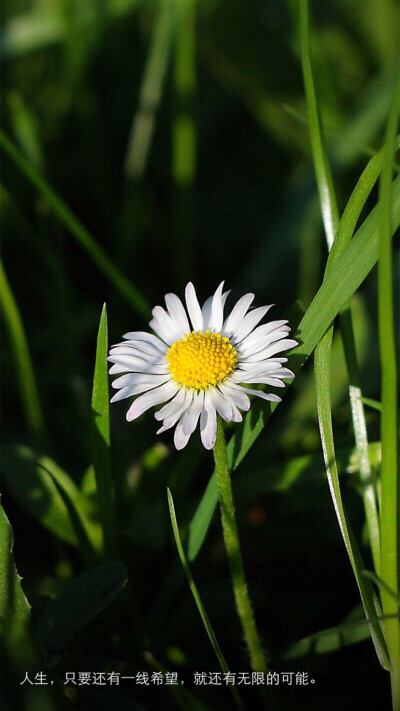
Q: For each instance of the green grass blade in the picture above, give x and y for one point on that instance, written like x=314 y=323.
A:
x=143 y=124
x=198 y=601
x=23 y=363
x=100 y=438
x=368 y=596
x=341 y=234
x=329 y=209
x=348 y=272
x=77 y=230
x=78 y=522
x=390 y=565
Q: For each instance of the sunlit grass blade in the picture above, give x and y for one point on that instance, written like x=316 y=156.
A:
x=100 y=439
x=77 y=230
x=389 y=519
x=25 y=372
x=380 y=584
x=346 y=275
x=198 y=601
x=184 y=137
x=340 y=234
x=151 y=90
x=368 y=597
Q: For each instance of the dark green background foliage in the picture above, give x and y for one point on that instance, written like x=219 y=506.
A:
x=243 y=207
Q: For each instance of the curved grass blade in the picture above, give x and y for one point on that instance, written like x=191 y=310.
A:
x=150 y=91
x=390 y=494
x=23 y=363
x=340 y=235
x=349 y=271
x=200 y=606
x=77 y=230
x=368 y=596
x=100 y=438
x=78 y=522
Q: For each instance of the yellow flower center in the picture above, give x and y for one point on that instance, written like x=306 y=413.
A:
x=199 y=360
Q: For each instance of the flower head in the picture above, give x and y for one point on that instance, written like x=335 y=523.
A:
x=198 y=362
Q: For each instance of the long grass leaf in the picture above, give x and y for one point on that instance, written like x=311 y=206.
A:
x=350 y=270
x=198 y=601
x=77 y=230
x=390 y=565
x=368 y=596
x=25 y=372
x=100 y=438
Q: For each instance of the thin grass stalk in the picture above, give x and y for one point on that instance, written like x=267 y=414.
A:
x=25 y=371
x=330 y=216
x=77 y=230
x=389 y=518
x=232 y=545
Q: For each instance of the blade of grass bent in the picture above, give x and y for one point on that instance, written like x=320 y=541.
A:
x=77 y=230
x=389 y=519
x=350 y=270
x=368 y=596
x=198 y=601
x=323 y=359
x=25 y=372
x=100 y=438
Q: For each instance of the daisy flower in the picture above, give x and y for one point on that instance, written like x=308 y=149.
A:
x=200 y=363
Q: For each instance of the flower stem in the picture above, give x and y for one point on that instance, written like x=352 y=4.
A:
x=229 y=526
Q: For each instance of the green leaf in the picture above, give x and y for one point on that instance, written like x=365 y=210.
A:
x=100 y=437
x=198 y=601
x=35 y=481
x=78 y=603
x=346 y=275
x=331 y=640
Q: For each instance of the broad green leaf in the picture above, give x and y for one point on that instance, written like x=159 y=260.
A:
x=32 y=480
x=100 y=437
x=19 y=642
x=198 y=601
x=81 y=600
x=346 y=275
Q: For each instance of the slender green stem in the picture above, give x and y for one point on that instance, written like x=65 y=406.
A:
x=389 y=518
x=231 y=537
x=25 y=371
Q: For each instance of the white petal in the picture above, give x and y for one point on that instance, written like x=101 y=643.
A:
x=163 y=325
x=238 y=312
x=276 y=347
x=154 y=397
x=237 y=397
x=208 y=423
x=140 y=379
x=173 y=418
x=138 y=365
x=130 y=351
x=180 y=439
x=192 y=414
x=259 y=393
x=193 y=308
x=262 y=380
x=206 y=313
x=248 y=323
x=252 y=353
x=172 y=406
x=177 y=313
x=263 y=335
x=147 y=338
x=217 y=310
x=222 y=404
